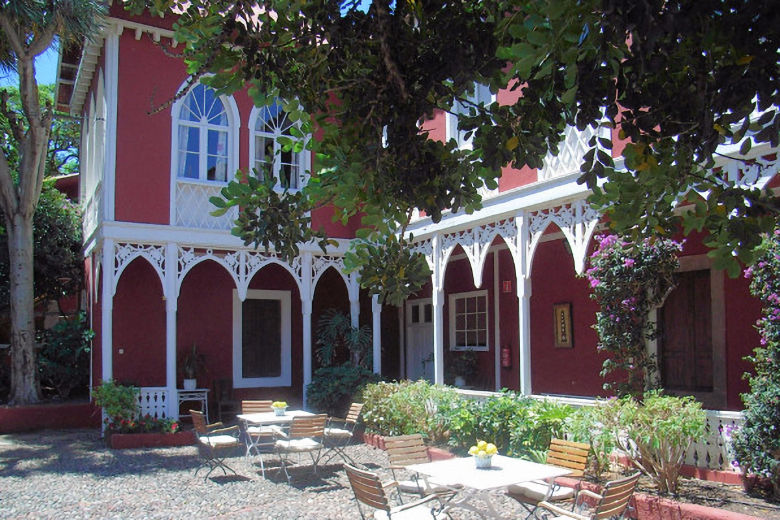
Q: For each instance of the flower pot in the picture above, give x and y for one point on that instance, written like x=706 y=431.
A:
x=279 y=411
x=483 y=462
x=190 y=384
x=460 y=381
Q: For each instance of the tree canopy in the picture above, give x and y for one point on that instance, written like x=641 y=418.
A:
x=678 y=79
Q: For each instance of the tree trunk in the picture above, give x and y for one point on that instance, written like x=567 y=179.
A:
x=24 y=373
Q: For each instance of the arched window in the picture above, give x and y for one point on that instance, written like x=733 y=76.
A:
x=267 y=125
x=204 y=136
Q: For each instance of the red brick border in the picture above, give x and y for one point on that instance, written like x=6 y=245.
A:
x=15 y=419
x=120 y=441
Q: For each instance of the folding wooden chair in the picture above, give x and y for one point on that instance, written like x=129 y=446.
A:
x=611 y=503
x=305 y=436
x=565 y=454
x=258 y=438
x=215 y=442
x=404 y=450
x=337 y=439
x=370 y=491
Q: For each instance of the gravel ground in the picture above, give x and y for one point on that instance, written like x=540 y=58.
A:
x=71 y=474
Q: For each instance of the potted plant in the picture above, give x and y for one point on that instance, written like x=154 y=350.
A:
x=279 y=407
x=192 y=363
x=462 y=367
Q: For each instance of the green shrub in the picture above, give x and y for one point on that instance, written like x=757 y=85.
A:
x=517 y=425
x=63 y=358
x=332 y=389
x=655 y=433
x=119 y=402
x=757 y=443
x=408 y=407
x=587 y=425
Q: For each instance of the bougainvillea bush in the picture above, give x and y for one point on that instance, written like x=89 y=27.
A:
x=628 y=280
x=757 y=443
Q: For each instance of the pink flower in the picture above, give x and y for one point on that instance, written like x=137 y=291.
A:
x=629 y=262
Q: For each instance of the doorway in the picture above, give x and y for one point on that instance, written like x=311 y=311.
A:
x=419 y=339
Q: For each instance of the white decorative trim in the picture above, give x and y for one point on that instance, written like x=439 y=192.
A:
x=189 y=258
x=320 y=264
x=126 y=253
x=256 y=260
x=239 y=381
x=577 y=221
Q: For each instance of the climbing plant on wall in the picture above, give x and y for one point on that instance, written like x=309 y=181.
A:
x=628 y=280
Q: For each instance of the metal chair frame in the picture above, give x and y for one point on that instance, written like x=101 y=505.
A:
x=369 y=490
x=258 y=437
x=337 y=439
x=211 y=442
x=305 y=436
x=612 y=503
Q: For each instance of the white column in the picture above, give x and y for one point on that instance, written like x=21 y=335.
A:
x=376 y=313
x=353 y=291
x=171 y=307
x=523 y=276
x=438 y=313
x=524 y=300
x=306 y=295
x=111 y=79
x=107 y=311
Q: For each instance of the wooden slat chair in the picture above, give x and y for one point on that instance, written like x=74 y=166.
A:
x=612 y=503
x=337 y=439
x=370 y=491
x=215 y=442
x=305 y=436
x=404 y=450
x=565 y=454
x=258 y=438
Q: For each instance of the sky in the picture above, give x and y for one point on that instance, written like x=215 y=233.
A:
x=45 y=70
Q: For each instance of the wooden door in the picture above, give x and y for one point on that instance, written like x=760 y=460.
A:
x=685 y=340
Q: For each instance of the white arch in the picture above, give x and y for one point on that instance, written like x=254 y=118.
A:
x=323 y=270
x=208 y=256
x=127 y=260
x=251 y=272
x=536 y=237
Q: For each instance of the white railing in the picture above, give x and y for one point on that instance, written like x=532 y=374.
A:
x=153 y=400
x=192 y=206
x=710 y=452
x=570 y=152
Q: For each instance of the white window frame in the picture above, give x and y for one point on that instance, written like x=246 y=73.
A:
x=304 y=156
x=481 y=94
x=231 y=110
x=285 y=377
x=452 y=301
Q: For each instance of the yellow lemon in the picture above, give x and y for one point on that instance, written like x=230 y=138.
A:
x=481 y=445
x=491 y=449
x=481 y=453
x=473 y=450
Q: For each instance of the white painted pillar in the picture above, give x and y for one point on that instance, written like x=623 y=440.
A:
x=438 y=312
x=353 y=291
x=171 y=308
x=524 y=300
x=523 y=276
x=306 y=297
x=107 y=311
x=376 y=313
x=111 y=78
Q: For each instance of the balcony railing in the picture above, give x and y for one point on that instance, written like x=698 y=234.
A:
x=193 y=209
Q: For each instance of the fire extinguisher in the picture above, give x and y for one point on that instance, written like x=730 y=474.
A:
x=506 y=357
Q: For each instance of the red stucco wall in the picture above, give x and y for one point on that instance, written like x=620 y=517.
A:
x=139 y=327
x=573 y=371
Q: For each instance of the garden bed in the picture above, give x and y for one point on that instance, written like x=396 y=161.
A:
x=119 y=441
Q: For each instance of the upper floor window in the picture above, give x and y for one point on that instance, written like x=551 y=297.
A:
x=276 y=145
x=481 y=95
x=204 y=136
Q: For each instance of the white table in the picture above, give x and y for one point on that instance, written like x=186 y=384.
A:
x=504 y=471
x=200 y=395
x=267 y=418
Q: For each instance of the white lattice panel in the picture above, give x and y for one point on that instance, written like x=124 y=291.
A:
x=92 y=212
x=570 y=153
x=154 y=402
x=193 y=209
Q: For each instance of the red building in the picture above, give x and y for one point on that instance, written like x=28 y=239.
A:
x=163 y=274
